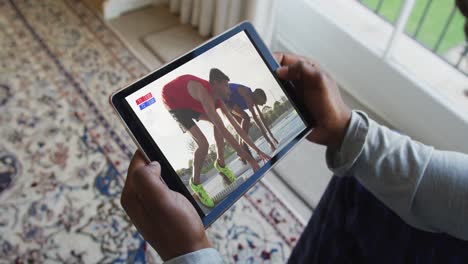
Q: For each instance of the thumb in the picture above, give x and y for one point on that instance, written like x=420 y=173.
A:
x=147 y=183
x=299 y=71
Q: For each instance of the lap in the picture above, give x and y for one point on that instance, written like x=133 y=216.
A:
x=351 y=225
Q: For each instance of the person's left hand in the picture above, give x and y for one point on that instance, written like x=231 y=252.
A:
x=166 y=219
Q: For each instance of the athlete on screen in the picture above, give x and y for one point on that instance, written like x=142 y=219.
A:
x=242 y=98
x=189 y=99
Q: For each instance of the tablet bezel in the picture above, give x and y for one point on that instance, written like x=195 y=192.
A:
x=149 y=147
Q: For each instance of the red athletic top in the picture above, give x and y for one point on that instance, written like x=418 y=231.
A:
x=175 y=94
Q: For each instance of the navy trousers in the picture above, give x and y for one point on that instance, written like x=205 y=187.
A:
x=350 y=225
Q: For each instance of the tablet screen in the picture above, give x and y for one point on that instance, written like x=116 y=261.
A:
x=218 y=119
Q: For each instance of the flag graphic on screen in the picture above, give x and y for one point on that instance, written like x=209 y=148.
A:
x=145 y=101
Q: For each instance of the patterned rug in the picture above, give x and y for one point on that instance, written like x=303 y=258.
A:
x=64 y=154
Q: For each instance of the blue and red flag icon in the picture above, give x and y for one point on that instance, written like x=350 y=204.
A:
x=145 y=101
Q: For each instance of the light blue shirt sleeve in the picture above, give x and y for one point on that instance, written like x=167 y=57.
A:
x=427 y=188
x=205 y=256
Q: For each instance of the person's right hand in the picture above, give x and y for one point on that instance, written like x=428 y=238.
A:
x=166 y=219
x=321 y=97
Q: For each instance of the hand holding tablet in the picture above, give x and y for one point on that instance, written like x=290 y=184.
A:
x=154 y=208
x=321 y=98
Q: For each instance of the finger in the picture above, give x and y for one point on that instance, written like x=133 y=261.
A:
x=285 y=59
x=278 y=56
x=298 y=71
x=146 y=181
x=138 y=160
x=127 y=190
x=291 y=72
x=130 y=202
x=134 y=209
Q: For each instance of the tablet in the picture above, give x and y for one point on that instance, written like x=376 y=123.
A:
x=216 y=118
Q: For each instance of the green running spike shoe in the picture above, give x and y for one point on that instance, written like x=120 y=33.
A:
x=202 y=195
x=225 y=171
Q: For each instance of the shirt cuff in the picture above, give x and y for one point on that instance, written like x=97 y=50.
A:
x=206 y=255
x=341 y=161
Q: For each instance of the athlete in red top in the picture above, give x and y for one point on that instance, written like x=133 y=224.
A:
x=190 y=98
x=175 y=94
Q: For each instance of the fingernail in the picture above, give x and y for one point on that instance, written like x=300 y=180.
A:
x=154 y=163
x=281 y=70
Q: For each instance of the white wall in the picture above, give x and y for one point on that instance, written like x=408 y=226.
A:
x=404 y=102
x=114 y=8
